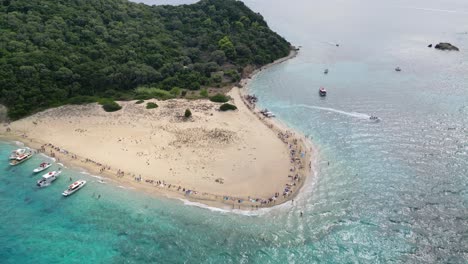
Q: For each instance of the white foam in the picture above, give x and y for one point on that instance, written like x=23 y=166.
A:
x=19 y=143
x=127 y=188
x=48 y=157
x=256 y=212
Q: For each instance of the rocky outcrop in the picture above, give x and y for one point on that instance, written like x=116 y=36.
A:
x=446 y=46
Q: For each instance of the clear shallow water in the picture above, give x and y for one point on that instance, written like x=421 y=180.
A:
x=394 y=192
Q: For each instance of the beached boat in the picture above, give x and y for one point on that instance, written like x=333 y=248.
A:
x=21 y=158
x=42 y=166
x=74 y=187
x=48 y=178
x=322 y=91
x=267 y=113
x=18 y=152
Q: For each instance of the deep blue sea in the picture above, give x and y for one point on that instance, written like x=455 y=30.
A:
x=394 y=191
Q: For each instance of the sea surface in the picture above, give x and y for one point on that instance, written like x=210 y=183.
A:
x=394 y=191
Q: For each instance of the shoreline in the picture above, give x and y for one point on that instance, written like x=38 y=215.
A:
x=174 y=190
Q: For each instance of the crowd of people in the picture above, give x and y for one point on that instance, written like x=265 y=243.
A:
x=293 y=181
x=296 y=153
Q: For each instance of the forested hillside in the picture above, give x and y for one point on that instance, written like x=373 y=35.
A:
x=53 y=52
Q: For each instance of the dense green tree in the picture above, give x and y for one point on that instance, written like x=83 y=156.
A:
x=75 y=51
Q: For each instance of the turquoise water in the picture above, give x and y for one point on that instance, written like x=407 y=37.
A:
x=395 y=191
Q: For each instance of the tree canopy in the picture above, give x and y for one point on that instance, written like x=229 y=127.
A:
x=53 y=51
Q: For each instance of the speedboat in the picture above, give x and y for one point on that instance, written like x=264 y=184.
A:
x=322 y=91
x=74 y=187
x=21 y=158
x=15 y=153
x=42 y=166
x=398 y=69
x=267 y=113
x=48 y=178
x=374 y=118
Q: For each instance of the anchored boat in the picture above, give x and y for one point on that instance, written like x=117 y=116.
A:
x=48 y=178
x=74 y=187
x=42 y=166
x=322 y=91
x=21 y=158
x=16 y=153
x=267 y=113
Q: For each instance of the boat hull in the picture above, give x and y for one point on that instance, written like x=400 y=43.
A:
x=39 y=169
x=16 y=162
x=68 y=192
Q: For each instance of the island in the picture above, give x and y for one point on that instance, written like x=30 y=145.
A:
x=151 y=97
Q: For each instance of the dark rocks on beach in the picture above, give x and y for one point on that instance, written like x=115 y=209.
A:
x=429 y=46
x=446 y=46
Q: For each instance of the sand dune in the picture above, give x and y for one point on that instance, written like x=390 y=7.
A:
x=217 y=154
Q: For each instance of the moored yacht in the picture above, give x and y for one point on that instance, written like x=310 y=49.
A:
x=48 y=178
x=322 y=91
x=21 y=158
x=16 y=153
x=42 y=166
x=74 y=187
x=267 y=113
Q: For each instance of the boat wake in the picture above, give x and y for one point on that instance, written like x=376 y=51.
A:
x=435 y=10
x=351 y=114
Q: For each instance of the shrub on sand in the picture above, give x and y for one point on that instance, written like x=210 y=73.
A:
x=227 y=107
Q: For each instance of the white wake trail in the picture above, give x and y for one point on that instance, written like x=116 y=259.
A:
x=352 y=114
x=435 y=10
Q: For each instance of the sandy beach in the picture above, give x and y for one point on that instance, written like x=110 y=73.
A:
x=238 y=158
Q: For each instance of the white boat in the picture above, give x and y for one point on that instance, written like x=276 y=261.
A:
x=42 y=166
x=48 y=178
x=322 y=92
x=74 y=187
x=21 y=158
x=15 y=153
x=267 y=113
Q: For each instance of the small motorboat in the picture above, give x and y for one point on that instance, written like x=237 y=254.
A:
x=325 y=71
x=74 y=187
x=21 y=158
x=267 y=113
x=48 y=178
x=374 y=118
x=322 y=91
x=16 y=153
x=42 y=166
x=398 y=69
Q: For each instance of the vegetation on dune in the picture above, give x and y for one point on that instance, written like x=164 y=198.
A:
x=151 y=105
x=227 y=107
x=187 y=113
x=219 y=98
x=58 y=52
x=110 y=106
x=204 y=93
x=139 y=101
